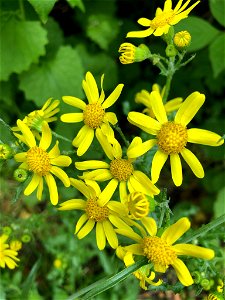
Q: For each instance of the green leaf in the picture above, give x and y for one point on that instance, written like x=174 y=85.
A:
x=216 y=55
x=78 y=3
x=217 y=8
x=43 y=8
x=54 y=78
x=202 y=33
x=219 y=207
x=22 y=43
x=102 y=29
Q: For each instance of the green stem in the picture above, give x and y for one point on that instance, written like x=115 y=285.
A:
x=61 y=137
x=22 y=10
x=170 y=73
x=204 y=229
x=118 y=129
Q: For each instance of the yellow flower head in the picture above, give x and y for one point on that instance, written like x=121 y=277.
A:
x=104 y=217
x=5 y=151
x=41 y=163
x=144 y=98
x=137 y=204
x=120 y=171
x=161 y=251
x=8 y=257
x=57 y=263
x=173 y=136
x=35 y=119
x=94 y=116
x=163 y=19
x=15 y=245
x=130 y=53
x=182 y=39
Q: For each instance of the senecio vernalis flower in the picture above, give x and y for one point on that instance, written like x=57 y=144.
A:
x=163 y=19
x=161 y=251
x=41 y=163
x=120 y=171
x=144 y=98
x=8 y=256
x=173 y=136
x=94 y=116
x=104 y=217
x=182 y=39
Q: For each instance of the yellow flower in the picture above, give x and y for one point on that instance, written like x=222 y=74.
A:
x=120 y=171
x=15 y=245
x=161 y=251
x=182 y=39
x=163 y=19
x=137 y=204
x=104 y=217
x=57 y=263
x=8 y=257
x=42 y=163
x=94 y=117
x=173 y=136
x=35 y=119
x=144 y=274
x=144 y=98
x=5 y=151
x=130 y=53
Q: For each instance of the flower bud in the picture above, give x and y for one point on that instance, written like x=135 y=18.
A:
x=15 y=245
x=171 y=51
x=26 y=238
x=131 y=53
x=182 y=39
x=215 y=296
x=20 y=175
x=6 y=151
x=138 y=205
x=7 y=230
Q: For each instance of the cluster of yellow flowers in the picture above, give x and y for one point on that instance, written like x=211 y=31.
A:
x=128 y=213
x=9 y=252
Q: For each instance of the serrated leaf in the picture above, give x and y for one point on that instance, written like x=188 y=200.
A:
x=217 y=8
x=78 y=3
x=102 y=29
x=54 y=78
x=22 y=43
x=216 y=55
x=42 y=8
x=202 y=33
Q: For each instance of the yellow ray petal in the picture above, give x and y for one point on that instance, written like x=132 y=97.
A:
x=123 y=191
x=72 y=117
x=86 y=229
x=118 y=222
x=80 y=136
x=113 y=96
x=86 y=142
x=53 y=191
x=129 y=233
x=144 y=22
x=143 y=179
x=150 y=225
x=100 y=236
x=104 y=143
x=144 y=122
x=61 y=161
x=73 y=204
x=140 y=34
x=108 y=191
x=204 y=137
x=54 y=152
x=80 y=222
x=182 y=272
x=27 y=134
x=110 y=234
x=61 y=175
x=176 y=169
x=173 y=104
x=32 y=184
x=167 y=5
x=46 y=137
x=189 y=108
x=73 y=101
x=193 y=250
x=161 y=30
x=141 y=149
x=110 y=117
x=92 y=86
x=91 y=164
x=175 y=231
x=93 y=184
x=98 y=175
x=40 y=189
x=81 y=186
x=158 y=162
x=20 y=157
x=135 y=249
x=193 y=163
x=117 y=206
x=158 y=107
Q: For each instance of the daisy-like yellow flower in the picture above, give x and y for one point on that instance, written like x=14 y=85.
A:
x=94 y=117
x=8 y=256
x=173 y=136
x=144 y=98
x=161 y=251
x=137 y=204
x=163 y=19
x=120 y=171
x=41 y=163
x=104 y=217
x=35 y=119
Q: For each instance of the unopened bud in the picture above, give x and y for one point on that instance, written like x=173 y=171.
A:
x=171 y=51
x=5 y=151
x=20 y=175
x=131 y=53
x=182 y=39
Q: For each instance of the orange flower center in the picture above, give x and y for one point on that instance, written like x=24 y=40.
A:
x=163 y=19
x=172 y=138
x=158 y=251
x=96 y=212
x=93 y=115
x=121 y=169
x=38 y=161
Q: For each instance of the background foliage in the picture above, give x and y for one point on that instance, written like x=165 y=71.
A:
x=46 y=48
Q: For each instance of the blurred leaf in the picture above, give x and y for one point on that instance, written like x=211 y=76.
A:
x=217 y=8
x=2 y=292
x=78 y=3
x=55 y=37
x=102 y=29
x=26 y=286
x=43 y=8
x=202 y=33
x=54 y=78
x=219 y=207
x=216 y=54
x=22 y=42
x=7 y=91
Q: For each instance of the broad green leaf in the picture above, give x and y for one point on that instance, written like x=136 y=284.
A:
x=102 y=29
x=216 y=54
x=55 y=37
x=43 y=8
x=54 y=78
x=78 y=3
x=219 y=207
x=22 y=43
x=202 y=33
x=217 y=8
